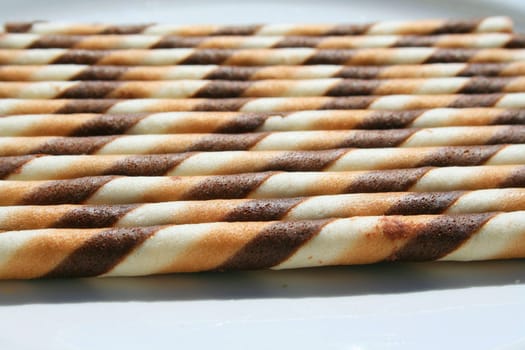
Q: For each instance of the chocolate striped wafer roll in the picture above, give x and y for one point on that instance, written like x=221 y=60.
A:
x=39 y=167
x=286 y=209
x=261 y=104
x=63 y=72
x=259 y=57
x=125 y=190
x=259 y=245
x=286 y=140
x=239 y=122
x=261 y=88
x=109 y=42
x=417 y=27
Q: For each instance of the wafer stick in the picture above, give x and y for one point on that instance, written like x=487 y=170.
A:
x=259 y=245
x=289 y=209
x=108 y=42
x=62 y=72
x=38 y=167
x=421 y=27
x=239 y=122
x=291 y=140
x=260 y=88
x=125 y=190
x=260 y=57
x=263 y=104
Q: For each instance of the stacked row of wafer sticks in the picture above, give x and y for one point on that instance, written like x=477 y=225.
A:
x=157 y=148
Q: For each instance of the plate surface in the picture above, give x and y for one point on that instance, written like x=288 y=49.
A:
x=395 y=306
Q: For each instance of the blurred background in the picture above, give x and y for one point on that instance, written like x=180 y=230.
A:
x=250 y=11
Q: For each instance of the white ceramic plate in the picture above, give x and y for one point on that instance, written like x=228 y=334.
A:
x=394 y=306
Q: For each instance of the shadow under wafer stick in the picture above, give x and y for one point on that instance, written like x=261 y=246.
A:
x=40 y=167
x=287 y=209
x=418 y=27
x=127 y=190
x=63 y=72
x=261 y=88
x=259 y=57
x=259 y=245
x=261 y=104
x=277 y=141
x=240 y=122
x=109 y=42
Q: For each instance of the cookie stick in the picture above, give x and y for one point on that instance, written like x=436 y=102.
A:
x=239 y=122
x=287 y=209
x=126 y=190
x=63 y=72
x=417 y=27
x=110 y=42
x=260 y=245
x=40 y=167
x=286 y=140
x=259 y=57
x=261 y=88
x=262 y=104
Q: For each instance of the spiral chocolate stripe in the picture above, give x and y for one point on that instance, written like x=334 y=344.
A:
x=419 y=27
x=81 y=216
x=124 y=190
x=277 y=245
x=262 y=104
x=135 y=165
x=101 y=253
x=514 y=179
x=11 y=165
x=273 y=245
x=240 y=122
x=261 y=88
x=292 y=140
x=77 y=146
x=286 y=209
x=39 y=167
x=108 y=42
x=54 y=192
x=260 y=57
x=216 y=72
x=121 y=124
x=435 y=239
